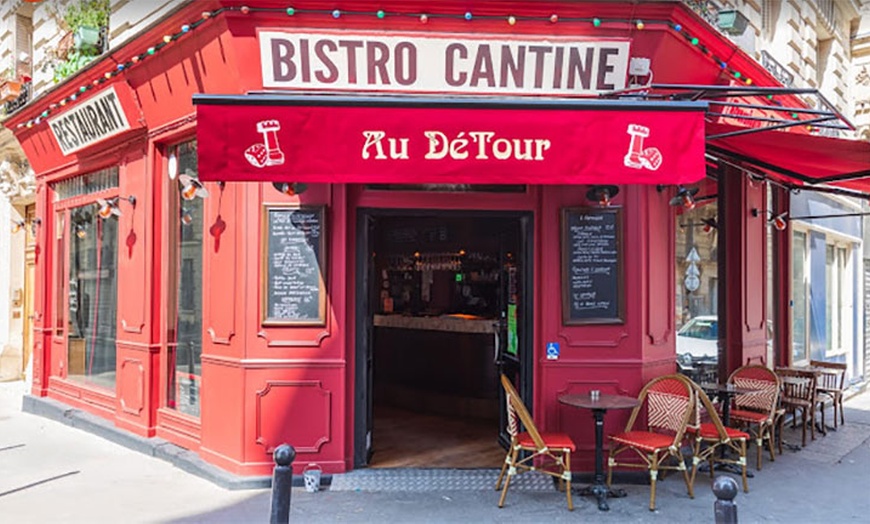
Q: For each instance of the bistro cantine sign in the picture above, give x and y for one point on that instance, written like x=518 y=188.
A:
x=420 y=63
x=96 y=119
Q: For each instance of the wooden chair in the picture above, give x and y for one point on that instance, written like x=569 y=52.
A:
x=710 y=437
x=831 y=385
x=669 y=402
x=548 y=453
x=756 y=411
x=799 y=393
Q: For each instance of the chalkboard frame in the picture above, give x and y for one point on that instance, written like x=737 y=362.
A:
x=567 y=253
x=266 y=320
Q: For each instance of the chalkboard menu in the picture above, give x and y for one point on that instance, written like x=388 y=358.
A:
x=592 y=289
x=293 y=266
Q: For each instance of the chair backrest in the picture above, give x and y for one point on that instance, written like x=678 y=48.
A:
x=832 y=376
x=765 y=386
x=798 y=385
x=670 y=405
x=516 y=409
x=704 y=403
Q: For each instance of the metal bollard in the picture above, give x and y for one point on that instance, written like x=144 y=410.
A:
x=282 y=481
x=725 y=509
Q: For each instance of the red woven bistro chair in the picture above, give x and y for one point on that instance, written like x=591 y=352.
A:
x=756 y=411
x=710 y=436
x=548 y=453
x=669 y=402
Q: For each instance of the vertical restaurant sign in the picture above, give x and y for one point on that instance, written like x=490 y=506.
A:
x=91 y=121
x=448 y=63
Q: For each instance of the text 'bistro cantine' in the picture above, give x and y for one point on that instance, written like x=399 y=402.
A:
x=424 y=63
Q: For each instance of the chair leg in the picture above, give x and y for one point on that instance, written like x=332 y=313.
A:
x=759 y=445
x=812 y=422
x=689 y=485
x=653 y=475
x=840 y=403
x=567 y=459
x=507 y=481
x=770 y=436
x=803 y=426
x=507 y=460
x=743 y=464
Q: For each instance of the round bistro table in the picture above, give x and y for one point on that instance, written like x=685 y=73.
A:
x=599 y=407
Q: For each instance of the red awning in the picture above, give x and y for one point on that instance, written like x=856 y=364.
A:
x=798 y=158
x=422 y=141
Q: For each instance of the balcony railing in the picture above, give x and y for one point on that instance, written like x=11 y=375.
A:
x=708 y=10
x=24 y=97
x=826 y=11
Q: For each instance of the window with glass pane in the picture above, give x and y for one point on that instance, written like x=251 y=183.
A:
x=184 y=336
x=800 y=333
x=60 y=275
x=92 y=297
x=697 y=288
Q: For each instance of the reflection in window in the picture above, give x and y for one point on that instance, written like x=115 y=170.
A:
x=185 y=227
x=92 y=297
x=697 y=286
x=800 y=290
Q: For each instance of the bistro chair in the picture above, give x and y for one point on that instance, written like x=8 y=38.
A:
x=713 y=442
x=799 y=393
x=831 y=386
x=669 y=402
x=548 y=453
x=756 y=411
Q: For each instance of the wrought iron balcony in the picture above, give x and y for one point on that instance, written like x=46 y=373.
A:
x=708 y=10
x=24 y=97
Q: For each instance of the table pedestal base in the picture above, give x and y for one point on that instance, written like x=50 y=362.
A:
x=601 y=492
x=728 y=468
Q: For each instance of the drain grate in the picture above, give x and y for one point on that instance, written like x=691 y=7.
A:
x=406 y=479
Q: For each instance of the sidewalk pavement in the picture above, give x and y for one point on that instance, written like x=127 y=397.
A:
x=50 y=472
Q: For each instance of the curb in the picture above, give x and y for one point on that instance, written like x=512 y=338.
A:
x=179 y=457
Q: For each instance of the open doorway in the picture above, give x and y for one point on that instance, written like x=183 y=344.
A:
x=443 y=308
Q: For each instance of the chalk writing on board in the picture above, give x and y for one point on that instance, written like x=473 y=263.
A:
x=294 y=280
x=592 y=266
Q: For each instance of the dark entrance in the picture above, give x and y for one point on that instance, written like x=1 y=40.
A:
x=443 y=307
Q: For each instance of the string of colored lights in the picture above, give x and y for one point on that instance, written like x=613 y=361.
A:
x=381 y=14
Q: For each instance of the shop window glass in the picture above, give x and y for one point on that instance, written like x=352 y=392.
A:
x=92 y=297
x=97 y=181
x=184 y=336
x=800 y=282
x=697 y=286
x=60 y=275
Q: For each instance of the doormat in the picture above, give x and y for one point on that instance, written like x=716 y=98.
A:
x=412 y=479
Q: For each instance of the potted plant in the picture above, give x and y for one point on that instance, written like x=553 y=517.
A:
x=86 y=20
x=10 y=86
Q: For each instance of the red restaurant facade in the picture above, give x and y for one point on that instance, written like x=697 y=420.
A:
x=260 y=223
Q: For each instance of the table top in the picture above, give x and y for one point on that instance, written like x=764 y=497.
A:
x=726 y=388
x=604 y=401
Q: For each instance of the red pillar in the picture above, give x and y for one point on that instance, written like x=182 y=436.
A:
x=743 y=263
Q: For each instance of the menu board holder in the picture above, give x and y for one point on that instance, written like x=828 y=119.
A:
x=592 y=266
x=293 y=278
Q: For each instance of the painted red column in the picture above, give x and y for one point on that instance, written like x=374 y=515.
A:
x=743 y=262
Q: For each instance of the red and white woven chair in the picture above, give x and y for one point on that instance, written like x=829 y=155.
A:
x=756 y=411
x=548 y=453
x=710 y=436
x=669 y=403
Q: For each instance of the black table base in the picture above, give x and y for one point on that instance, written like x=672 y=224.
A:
x=602 y=493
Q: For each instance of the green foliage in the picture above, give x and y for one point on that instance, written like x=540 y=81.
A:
x=89 y=13
x=75 y=60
